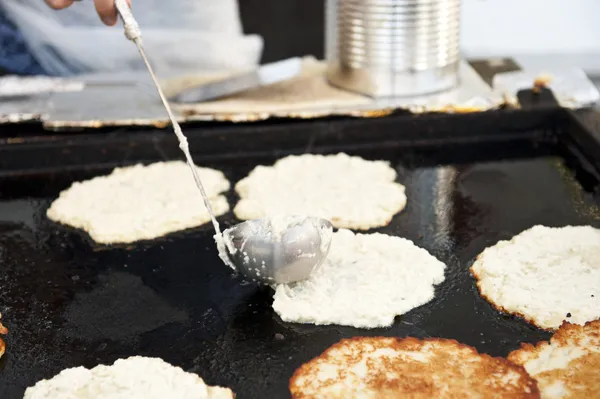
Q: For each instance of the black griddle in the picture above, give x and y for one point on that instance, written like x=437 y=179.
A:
x=471 y=180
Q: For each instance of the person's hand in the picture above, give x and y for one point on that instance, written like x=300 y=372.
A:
x=106 y=8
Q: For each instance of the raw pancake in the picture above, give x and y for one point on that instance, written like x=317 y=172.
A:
x=545 y=275
x=133 y=378
x=366 y=280
x=568 y=366
x=387 y=368
x=346 y=190
x=140 y=202
x=3 y=331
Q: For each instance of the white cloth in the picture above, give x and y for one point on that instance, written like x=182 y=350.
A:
x=180 y=36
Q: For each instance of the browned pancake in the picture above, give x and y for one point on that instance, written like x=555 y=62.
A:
x=569 y=365
x=3 y=331
x=385 y=368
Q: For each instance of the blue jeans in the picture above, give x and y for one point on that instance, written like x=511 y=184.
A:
x=15 y=57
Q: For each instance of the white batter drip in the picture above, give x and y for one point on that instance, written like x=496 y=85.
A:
x=133 y=33
x=132 y=29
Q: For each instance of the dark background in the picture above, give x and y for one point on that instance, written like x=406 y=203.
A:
x=289 y=27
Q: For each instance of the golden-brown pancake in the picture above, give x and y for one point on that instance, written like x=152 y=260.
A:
x=568 y=366
x=385 y=368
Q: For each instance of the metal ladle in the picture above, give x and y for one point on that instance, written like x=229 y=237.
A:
x=279 y=250
x=272 y=251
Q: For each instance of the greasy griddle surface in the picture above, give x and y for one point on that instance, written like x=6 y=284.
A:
x=69 y=303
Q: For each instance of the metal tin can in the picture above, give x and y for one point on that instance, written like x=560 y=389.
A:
x=384 y=48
